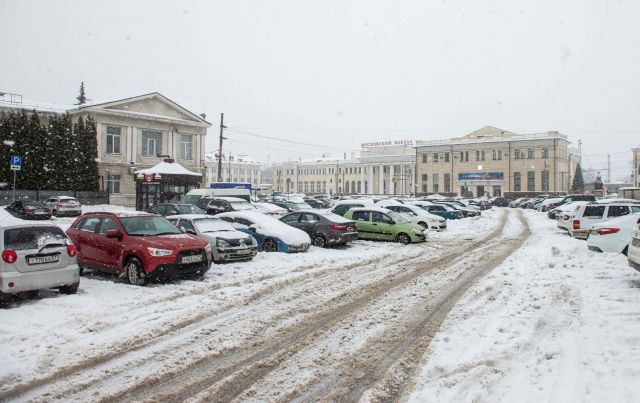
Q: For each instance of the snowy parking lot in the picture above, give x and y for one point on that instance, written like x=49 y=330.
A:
x=499 y=307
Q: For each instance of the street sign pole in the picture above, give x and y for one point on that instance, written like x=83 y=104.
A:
x=14 y=185
x=15 y=163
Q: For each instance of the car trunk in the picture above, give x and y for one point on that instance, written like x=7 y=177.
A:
x=37 y=248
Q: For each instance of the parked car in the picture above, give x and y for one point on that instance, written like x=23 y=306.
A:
x=613 y=235
x=61 y=206
x=595 y=213
x=217 y=205
x=270 y=209
x=456 y=205
x=481 y=204
x=341 y=207
x=316 y=203
x=324 y=228
x=36 y=256
x=138 y=245
x=566 y=212
x=516 y=202
x=550 y=202
x=633 y=254
x=572 y=198
x=29 y=210
x=271 y=234
x=418 y=216
x=227 y=243
x=167 y=209
x=381 y=224
x=291 y=205
x=501 y=202
x=442 y=210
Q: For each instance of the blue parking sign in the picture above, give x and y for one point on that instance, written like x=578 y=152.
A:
x=15 y=162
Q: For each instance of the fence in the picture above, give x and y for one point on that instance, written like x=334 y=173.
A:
x=86 y=198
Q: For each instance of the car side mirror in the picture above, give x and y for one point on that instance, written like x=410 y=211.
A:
x=112 y=233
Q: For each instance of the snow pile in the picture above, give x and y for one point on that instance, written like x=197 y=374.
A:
x=270 y=226
x=167 y=168
x=554 y=323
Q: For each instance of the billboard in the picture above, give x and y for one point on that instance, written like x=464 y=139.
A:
x=230 y=185
x=480 y=176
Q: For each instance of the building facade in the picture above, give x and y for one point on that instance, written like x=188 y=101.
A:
x=235 y=168
x=636 y=166
x=382 y=168
x=140 y=132
x=495 y=162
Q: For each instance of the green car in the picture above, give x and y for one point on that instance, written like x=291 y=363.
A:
x=385 y=225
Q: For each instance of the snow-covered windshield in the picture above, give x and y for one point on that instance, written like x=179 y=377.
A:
x=242 y=205
x=212 y=225
x=399 y=218
x=303 y=206
x=189 y=209
x=33 y=237
x=148 y=226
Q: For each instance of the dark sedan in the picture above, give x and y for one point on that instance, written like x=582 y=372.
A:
x=324 y=228
x=29 y=210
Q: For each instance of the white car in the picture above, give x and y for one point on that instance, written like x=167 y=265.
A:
x=595 y=213
x=566 y=212
x=633 y=254
x=544 y=205
x=614 y=235
x=64 y=206
x=270 y=209
x=417 y=215
x=271 y=234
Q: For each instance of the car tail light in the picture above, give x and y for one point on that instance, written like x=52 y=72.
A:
x=576 y=224
x=59 y=206
x=71 y=250
x=607 y=231
x=9 y=255
x=566 y=217
x=338 y=227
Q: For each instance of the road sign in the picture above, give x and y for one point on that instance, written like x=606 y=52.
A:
x=15 y=162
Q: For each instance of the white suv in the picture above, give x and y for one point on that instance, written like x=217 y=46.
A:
x=633 y=254
x=36 y=256
x=594 y=213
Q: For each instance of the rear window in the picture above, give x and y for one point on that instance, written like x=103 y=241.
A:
x=68 y=201
x=594 y=211
x=33 y=237
x=618 y=211
x=583 y=198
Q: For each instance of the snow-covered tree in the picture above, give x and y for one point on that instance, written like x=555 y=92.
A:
x=578 y=181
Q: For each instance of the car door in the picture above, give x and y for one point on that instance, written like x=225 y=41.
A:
x=292 y=219
x=363 y=224
x=618 y=211
x=108 y=251
x=383 y=228
x=85 y=241
x=308 y=223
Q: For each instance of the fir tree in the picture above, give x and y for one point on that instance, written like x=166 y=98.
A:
x=578 y=181
x=82 y=98
x=86 y=152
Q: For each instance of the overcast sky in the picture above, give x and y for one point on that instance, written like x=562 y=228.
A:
x=339 y=73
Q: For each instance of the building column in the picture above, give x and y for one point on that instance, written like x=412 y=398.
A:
x=391 y=179
x=380 y=179
x=370 y=182
x=362 y=179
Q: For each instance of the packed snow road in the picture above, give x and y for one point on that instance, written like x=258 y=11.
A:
x=330 y=324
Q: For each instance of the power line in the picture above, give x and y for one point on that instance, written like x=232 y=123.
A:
x=289 y=141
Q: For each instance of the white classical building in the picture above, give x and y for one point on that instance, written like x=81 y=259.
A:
x=379 y=168
x=235 y=168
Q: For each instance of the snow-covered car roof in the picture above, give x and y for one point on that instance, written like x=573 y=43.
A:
x=271 y=226
x=227 y=198
x=125 y=213
x=379 y=209
x=324 y=213
x=268 y=207
x=190 y=216
x=63 y=197
x=352 y=201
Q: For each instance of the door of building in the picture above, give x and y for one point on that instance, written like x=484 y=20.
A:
x=479 y=191
x=497 y=191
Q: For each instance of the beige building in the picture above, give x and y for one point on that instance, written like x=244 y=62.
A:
x=636 y=166
x=380 y=168
x=496 y=162
x=140 y=132
x=235 y=168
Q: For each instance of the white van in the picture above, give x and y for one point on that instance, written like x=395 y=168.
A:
x=222 y=189
x=595 y=213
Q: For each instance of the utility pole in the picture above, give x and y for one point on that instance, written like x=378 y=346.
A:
x=608 y=168
x=222 y=127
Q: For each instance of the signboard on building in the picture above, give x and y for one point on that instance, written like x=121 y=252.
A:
x=480 y=176
x=230 y=185
x=387 y=143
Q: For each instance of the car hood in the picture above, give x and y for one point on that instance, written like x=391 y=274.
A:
x=171 y=241
x=231 y=235
x=290 y=235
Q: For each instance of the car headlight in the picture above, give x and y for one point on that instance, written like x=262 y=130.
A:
x=251 y=241
x=159 y=252
x=207 y=248
x=417 y=231
x=221 y=243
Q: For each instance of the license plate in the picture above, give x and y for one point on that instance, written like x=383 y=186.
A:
x=244 y=251
x=191 y=259
x=41 y=212
x=43 y=259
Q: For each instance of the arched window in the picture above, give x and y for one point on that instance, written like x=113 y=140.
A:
x=359 y=187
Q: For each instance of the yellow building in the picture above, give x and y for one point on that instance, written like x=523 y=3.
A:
x=496 y=162
x=636 y=166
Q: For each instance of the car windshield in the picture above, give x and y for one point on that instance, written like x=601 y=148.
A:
x=189 y=209
x=191 y=199
x=33 y=237
x=148 y=226
x=242 y=205
x=399 y=218
x=212 y=225
x=293 y=206
x=303 y=206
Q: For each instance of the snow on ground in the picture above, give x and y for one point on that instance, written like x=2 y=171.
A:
x=554 y=323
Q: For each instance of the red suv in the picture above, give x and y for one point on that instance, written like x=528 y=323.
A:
x=142 y=246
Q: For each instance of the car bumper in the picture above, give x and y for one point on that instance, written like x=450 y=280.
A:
x=580 y=233
x=232 y=254
x=297 y=248
x=37 y=217
x=68 y=213
x=342 y=238
x=171 y=271
x=38 y=280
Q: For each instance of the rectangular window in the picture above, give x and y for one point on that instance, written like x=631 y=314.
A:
x=425 y=183
x=618 y=211
x=516 y=154
x=517 y=182
x=482 y=155
x=151 y=143
x=530 y=152
x=477 y=155
x=531 y=181
x=113 y=183
x=435 y=157
x=447 y=182
x=186 y=146
x=499 y=154
x=425 y=159
x=466 y=155
x=545 y=153
x=461 y=156
x=545 y=181
x=594 y=211
x=494 y=155
x=446 y=157
x=114 y=134
x=436 y=183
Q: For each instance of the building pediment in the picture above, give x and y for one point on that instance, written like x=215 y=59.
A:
x=489 y=131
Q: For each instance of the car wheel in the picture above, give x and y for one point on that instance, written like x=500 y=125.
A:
x=69 y=289
x=54 y=212
x=424 y=224
x=403 y=238
x=269 y=246
x=319 y=241
x=135 y=273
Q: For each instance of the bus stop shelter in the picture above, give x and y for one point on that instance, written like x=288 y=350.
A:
x=164 y=183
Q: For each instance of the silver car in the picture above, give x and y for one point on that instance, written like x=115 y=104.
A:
x=227 y=243
x=64 y=206
x=36 y=256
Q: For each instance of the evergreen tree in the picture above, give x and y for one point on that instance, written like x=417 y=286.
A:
x=578 y=181
x=82 y=98
x=86 y=152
